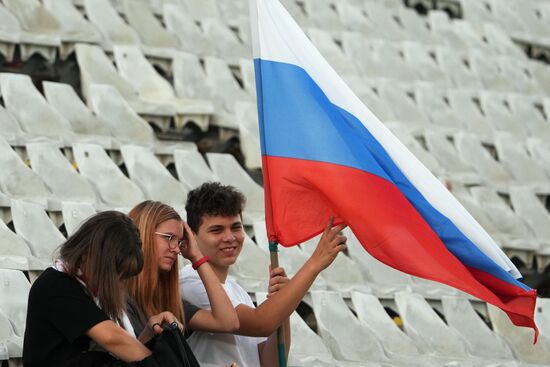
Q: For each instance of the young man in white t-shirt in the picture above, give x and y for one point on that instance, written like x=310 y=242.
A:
x=214 y=215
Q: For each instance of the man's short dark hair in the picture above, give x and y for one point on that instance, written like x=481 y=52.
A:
x=212 y=198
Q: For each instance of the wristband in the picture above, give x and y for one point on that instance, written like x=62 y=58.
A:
x=199 y=262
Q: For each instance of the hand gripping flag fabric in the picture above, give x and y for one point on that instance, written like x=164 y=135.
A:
x=324 y=153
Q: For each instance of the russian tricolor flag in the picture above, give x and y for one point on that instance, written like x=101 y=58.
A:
x=324 y=153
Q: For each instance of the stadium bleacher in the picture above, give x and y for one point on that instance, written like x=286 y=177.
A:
x=105 y=103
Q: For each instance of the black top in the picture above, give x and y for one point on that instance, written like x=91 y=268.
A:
x=138 y=320
x=59 y=314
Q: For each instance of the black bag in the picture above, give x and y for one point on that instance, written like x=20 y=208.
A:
x=169 y=349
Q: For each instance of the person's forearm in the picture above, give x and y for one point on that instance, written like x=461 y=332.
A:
x=274 y=310
x=221 y=308
x=117 y=341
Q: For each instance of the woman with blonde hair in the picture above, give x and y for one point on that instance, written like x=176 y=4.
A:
x=163 y=236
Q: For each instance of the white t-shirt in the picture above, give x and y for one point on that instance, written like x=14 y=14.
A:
x=216 y=349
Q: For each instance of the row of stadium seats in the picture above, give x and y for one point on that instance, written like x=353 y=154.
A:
x=344 y=338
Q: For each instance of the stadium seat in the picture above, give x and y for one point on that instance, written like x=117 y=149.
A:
x=524 y=109
x=419 y=152
x=125 y=124
x=33 y=224
x=114 y=189
x=10 y=33
x=540 y=150
x=519 y=164
x=63 y=98
x=404 y=107
x=382 y=22
x=540 y=73
x=498 y=114
x=18 y=181
x=152 y=177
x=342 y=332
x=510 y=19
x=380 y=107
x=228 y=46
x=11 y=345
x=9 y=128
x=433 y=101
x=427 y=329
x=520 y=339
x=500 y=41
x=251 y=268
x=311 y=350
x=394 y=64
x=40 y=31
x=201 y=9
x=351 y=16
x=371 y=313
x=518 y=71
x=74 y=213
x=528 y=207
x=444 y=151
x=190 y=35
x=324 y=42
x=226 y=167
x=192 y=168
x=113 y=28
x=74 y=26
x=321 y=15
x=486 y=67
x=14 y=293
x=297 y=13
x=416 y=26
x=248 y=75
x=454 y=66
x=135 y=68
x=542 y=315
x=30 y=108
x=59 y=175
x=418 y=56
x=15 y=253
x=96 y=68
x=152 y=34
x=358 y=49
x=464 y=105
x=481 y=341
x=246 y=114
x=470 y=149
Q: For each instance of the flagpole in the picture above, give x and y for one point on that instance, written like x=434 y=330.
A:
x=281 y=348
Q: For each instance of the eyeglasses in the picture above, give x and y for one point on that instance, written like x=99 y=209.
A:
x=173 y=241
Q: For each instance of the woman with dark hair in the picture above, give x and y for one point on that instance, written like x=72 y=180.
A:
x=164 y=235
x=79 y=304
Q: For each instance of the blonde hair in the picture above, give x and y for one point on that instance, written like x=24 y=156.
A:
x=154 y=291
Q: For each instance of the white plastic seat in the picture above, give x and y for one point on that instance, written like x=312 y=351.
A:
x=481 y=341
x=110 y=24
x=321 y=15
x=151 y=32
x=500 y=41
x=222 y=83
x=419 y=151
x=446 y=154
x=310 y=350
x=192 y=168
x=465 y=108
x=251 y=268
x=190 y=35
x=11 y=345
x=297 y=13
x=10 y=33
x=525 y=111
x=394 y=64
x=125 y=124
x=33 y=224
x=361 y=51
x=152 y=177
x=497 y=112
x=517 y=71
x=457 y=33
x=73 y=24
x=418 y=56
x=521 y=166
x=96 y=68
x=532 y=211
x=379 y=106
x=74 y=213
x=15 y=253
x=202 y=9
x=135 y=68
x=540 y=150
x=18 y=181
x=424 y=326
x=229 y=47
x=509 y=18
x=346 y=337
x=539 y=71
x=14 y=293
x=455 y=68
x=520 y=339
x=30 y=108
x=246 y=114
x=487 y=70
x=9 y=127
x=40 y=31
x=58 y=174
x=371 y=313
x=542 y=315
x=351 y=16
x=433 y=102
x=63 y=98
x=404 y=106
x=114 y=189
x=416 y=25
x=383 y=22
x=226 y=167
x=470 y=149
